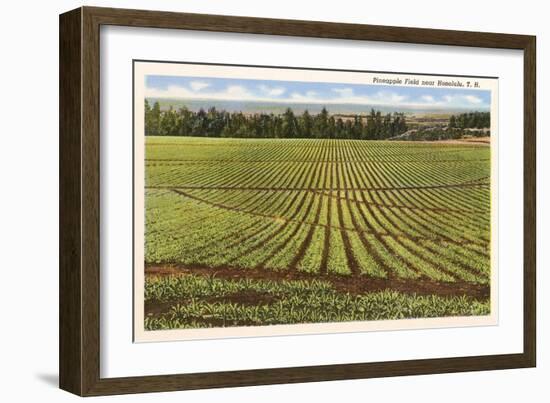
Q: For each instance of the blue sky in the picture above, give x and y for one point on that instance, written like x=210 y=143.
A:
x=226 y=89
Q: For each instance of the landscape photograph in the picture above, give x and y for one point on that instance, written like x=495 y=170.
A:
x=272 y=201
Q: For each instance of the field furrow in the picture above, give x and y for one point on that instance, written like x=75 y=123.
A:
x=381 y=211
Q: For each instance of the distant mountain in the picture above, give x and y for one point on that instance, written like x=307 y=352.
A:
x=252 y=107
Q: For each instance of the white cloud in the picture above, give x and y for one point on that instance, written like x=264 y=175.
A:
x=463 y=100
x=198 y=85
x=172 y=91
x=347 y=96
x=296 y=96
x=390 y=98
x=272 y=91
x=473 y=99
x=200 y=90
x=344 y=92
x=231 y=93
x=236 y=92
x=308 y=97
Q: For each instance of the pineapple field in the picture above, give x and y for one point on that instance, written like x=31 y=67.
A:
x=244 y=232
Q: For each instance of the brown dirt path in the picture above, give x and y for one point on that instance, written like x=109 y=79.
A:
x=345 y=283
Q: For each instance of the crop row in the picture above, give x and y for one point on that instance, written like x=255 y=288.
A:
x=331 y=210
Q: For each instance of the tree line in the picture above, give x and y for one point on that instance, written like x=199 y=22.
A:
x=471 y=124
x=470 y=120
x=220 y=123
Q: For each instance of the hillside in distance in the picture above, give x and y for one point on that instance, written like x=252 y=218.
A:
x=251 y=107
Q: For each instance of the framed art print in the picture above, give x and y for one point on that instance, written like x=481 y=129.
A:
x=250 y=201
x=326 y=201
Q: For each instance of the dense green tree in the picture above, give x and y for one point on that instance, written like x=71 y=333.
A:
x=452 y=122
x=290 y=125
x=331 y=128
x=357 y=128
x=370 y=128
x=220 y=123
x=378 y=126
x=320 y=124
x=306 y=125
x=168 y=123
x=470 y=120
x=340 y=131
x=152 y=119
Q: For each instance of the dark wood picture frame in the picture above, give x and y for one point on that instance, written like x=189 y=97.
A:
x=79 y=347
